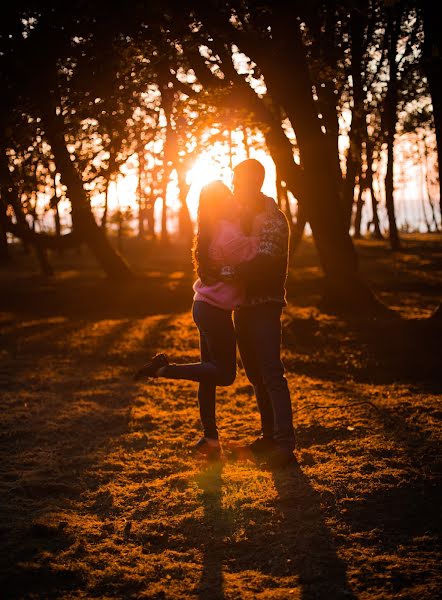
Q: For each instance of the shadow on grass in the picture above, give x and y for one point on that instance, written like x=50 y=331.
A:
x=52 y=452
x=368 y=351
x=217 y=526
x=299 y=545
x=99 y=298
x=304 y=545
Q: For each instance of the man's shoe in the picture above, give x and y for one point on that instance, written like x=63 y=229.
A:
x=256 y=451
x=151 y=368
x=210 y=449
x=262 y=447
x=279 y=458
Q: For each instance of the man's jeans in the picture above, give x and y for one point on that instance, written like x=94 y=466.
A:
x=258 y=334
x=218 y=360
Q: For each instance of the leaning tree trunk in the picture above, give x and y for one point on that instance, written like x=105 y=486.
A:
x=390 y=122
x=82 y=218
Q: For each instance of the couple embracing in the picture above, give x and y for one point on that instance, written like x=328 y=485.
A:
x=240 y=256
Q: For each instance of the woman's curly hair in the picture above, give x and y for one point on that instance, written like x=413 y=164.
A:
x=211 y=209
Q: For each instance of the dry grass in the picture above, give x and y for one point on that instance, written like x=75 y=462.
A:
x=99 y=497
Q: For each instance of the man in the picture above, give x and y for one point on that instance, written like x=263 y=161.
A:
x=258 y=321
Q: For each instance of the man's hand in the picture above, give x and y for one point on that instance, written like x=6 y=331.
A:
x=216 y=274
x=227 y=273
x=211 y=275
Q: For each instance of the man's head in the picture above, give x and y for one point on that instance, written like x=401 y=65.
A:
x=248 y=178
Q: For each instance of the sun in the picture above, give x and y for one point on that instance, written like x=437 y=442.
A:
x=205 y=169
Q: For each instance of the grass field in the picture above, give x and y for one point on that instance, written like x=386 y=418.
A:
x=100 y=498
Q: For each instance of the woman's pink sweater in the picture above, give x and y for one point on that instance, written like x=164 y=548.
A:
x=229 y=247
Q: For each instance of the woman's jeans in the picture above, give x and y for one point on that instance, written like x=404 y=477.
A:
x=218 y=360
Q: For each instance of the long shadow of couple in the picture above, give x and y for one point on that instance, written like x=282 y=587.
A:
x=297 y=547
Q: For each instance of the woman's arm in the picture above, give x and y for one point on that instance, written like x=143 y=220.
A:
x=272 y=247
x=239 y=249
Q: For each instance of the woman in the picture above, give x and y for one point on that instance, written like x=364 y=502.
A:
x=219 y=241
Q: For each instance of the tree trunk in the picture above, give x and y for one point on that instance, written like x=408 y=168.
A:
x=344 y=288
x=57 y=224
x=245 y=140
x=433 y=69
x=54 y=205
x=390 y=122
x=150 y=216
x=284 y=206
x=359 y=207
x=298 y=229
x=10 y=196
x=4 y=246
x=279 y=192
x=110 y=172
x=428 y=187
x=357 y=25
x=103 y=223
x=377 y=233
x=184 y=220
x=82 y=218
x=164 y=232
x=421 y=186
x=141 y=200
